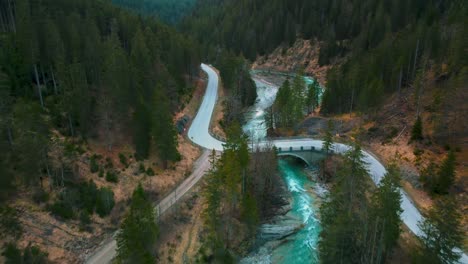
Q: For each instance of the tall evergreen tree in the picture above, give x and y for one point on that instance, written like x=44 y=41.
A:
x=446 y=174
x=385 y=222
x=417 y=131
x=213 y=194
x=164 y=134
x=139 y=231
x=327 y=144
x=441 y=234
x=313 y=96
x=345 y=213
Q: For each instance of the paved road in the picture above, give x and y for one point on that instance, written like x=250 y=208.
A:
x=199 y=130
x=199 y=134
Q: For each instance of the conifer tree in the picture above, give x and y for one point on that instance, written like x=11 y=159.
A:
x=141 y=131
x=385 y=217
x=327 y=144
x=164 y=134
x=213 y=194
x=139 y=231
x=313 y=96
x=345 y=213
x=446 y=174
x=417 y=131
x=441 y=234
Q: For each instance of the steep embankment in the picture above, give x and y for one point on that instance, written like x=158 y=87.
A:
x=304 y=54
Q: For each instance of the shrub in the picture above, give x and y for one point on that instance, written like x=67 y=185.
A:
x=150 y=171
x=31 y=254
x=61 y=209
x=123 y=160
x=417 y=131
x=112 y=177
x=12 y=253
x=88 y=193
x=40 y=196
x=141 y=168
x=85 y=220
x=418 y=152
x=93 y=164
x=105 y=201
x=101 y=173
x=109 y=164
x=9 y=223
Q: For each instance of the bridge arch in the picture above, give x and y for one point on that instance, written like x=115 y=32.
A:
x=296 y=155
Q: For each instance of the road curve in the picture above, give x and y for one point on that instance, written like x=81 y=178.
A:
x=199 y=134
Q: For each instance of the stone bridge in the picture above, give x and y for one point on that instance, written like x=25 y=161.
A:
x=309 y=155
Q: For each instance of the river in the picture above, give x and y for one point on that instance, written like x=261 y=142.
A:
x=300 y=246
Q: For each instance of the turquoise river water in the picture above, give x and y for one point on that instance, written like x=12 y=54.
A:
x=300 y=246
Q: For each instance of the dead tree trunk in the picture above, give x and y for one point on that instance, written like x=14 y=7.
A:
x=12 y=17
x=399 y=81
x=70 y=123
x=10 y=136
x=415 y=57
x=38 y=84
x=53 y=81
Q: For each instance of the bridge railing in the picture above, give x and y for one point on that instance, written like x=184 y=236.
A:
x=301 y=148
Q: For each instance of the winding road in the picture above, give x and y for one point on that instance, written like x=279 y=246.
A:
x=199 y=134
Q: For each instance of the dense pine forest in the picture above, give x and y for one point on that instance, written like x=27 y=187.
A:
x=166 y=10
x=91 y=94
x=74 y=71
x=389 y=45
x=87 y=70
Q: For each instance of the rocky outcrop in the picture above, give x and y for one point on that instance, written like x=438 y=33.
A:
x=303 y=54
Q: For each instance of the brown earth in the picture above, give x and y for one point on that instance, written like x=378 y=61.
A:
x=180 y=231
x=303 y=54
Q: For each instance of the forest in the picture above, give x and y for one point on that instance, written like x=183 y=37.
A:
x=168 y=11
x=97 y=86
x=388 y=45
x=74 y=71
x=82 y=73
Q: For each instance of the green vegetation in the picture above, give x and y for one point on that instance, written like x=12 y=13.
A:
x=240 y=88
x=139 y=232
x=111 y=176
x=104 y=201
x=439 y=179
x=9 y=223
x=31 y=254
x=386 y=46
x=169 y=11
x=441 y=233
x=80 y=68
x=416 y=132
x=312 y=99
x=93 y=164
x=327 y=145
x=150 y=172
x=123 y=160
x=354 y=229
x=238 y=184
x=292 y=102
x=141 y=168
x=224 y=192
x=84 y=197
